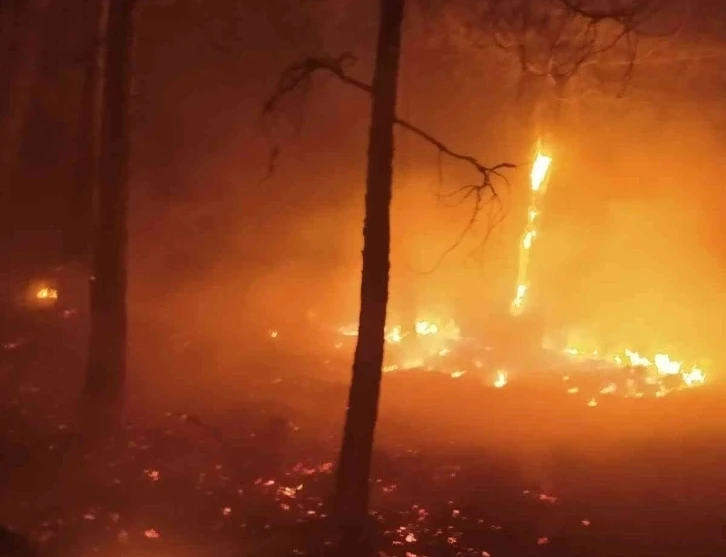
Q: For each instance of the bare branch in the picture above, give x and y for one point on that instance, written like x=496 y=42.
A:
x=556 y=39
x=482 y=191
x=625 y=11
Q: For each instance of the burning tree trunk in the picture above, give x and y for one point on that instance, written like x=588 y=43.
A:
x=78 y=229
x=106 y=370
x=351 y=493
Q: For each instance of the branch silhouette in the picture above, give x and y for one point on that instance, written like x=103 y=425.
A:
x=482 y=191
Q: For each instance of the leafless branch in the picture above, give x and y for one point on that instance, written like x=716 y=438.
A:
x=556 y=39
x=622 y=11
x=482 y=191
x=488 y=199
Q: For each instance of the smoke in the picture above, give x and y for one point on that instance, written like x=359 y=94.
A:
x=628 y=253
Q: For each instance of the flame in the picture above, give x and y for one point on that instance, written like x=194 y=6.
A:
x=426 y=328
x=430 y=345
x=423 y=346
x=660 y=366
x=519 y=297
x=394 y=335
x=636 y=360
x=694 y=377
x=540 y=169
x=665 y=365
x=46 y=293
x=611 y=388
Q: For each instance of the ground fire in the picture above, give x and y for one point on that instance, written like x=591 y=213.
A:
x=429 y=344
x=47 y=293
x=433 y=345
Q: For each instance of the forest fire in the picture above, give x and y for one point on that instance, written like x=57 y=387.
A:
x=433 y=347
x=46 y=293
x=429 y=346
x=661 y=371
x=537 y=179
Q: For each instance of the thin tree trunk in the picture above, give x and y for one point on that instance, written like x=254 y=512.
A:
x=8 y=28
x=107 y=340
x=351 y=490
x=29 y=26
x=78 y=230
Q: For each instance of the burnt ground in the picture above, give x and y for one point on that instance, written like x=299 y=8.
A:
x=460 y=469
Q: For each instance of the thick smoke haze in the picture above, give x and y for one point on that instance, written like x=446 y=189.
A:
x=629 y=253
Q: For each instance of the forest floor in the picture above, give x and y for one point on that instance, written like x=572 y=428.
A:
x=461 y=469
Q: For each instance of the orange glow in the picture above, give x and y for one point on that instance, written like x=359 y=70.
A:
x=657 y=368
x=537 y=178
x=539 y=171
x=395 y=335
x=428 y=345
x=47 y=293
x=426 y=328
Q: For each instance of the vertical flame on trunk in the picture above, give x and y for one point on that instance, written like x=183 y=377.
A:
x=537 y=180
x=501 y=379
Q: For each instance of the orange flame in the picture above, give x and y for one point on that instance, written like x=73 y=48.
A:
x=540 y=169
x=46 y=293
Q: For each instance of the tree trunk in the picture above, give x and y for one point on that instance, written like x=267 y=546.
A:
x=24 y=36
x=105 y=375
x=78 y=231
x=351 y=490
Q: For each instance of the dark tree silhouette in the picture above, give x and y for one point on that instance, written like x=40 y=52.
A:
x=350 y=504
x=567 y=50
x=21 y=38
x=351 y=490
x=78 y=230
x=104 y=386
x=13 y=544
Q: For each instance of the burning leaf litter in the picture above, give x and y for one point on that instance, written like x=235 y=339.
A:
x=430 y=346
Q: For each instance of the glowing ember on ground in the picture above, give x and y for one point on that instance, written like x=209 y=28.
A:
x=501 y=379
x=46 y=293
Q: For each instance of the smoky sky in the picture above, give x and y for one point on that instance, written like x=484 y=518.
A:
x=631 y=229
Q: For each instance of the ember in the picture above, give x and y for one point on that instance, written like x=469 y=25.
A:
x=429 y=346
x=47 y=293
